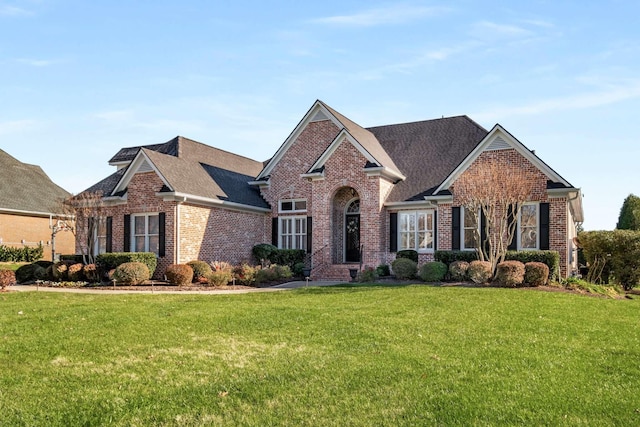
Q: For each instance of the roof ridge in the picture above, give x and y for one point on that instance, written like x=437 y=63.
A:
x=463 y=116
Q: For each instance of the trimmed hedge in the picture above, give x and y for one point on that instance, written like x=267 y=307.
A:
x=109 y=261
x=131 y=273
x=23 y=254
x=458 y=271
x=479 y=271
x=408 y=254
x=433 y=271
x=404 y=268
x=200 y=270
x=263 y=252
x=536 y=274
x=451 y=256
x=179 y=274
x=288 y=257
x=510 y=274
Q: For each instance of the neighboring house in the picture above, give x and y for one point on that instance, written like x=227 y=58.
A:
x=339 y=191
x=30 y=203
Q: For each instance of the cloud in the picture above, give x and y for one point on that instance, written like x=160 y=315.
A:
x=487 y=29
x=392 y=15
x=606 y=96
x=36 y=62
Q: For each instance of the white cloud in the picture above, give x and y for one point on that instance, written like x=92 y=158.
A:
x=392 y=15
x=487 y=29
x=36 y=62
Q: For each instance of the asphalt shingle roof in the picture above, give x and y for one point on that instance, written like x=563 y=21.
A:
x=25 y=187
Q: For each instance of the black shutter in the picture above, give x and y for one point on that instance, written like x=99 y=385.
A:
x=511 y=216
x=161 y=234
x=393 y=232
x=309 y=234
x=127 y=234
x=544 y=226
x=455 y=228
x=435 y=230
x=90 y=234
x=484 y=244
x=109 y=225
x=274 y=231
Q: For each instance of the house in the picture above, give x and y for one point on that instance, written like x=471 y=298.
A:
x=343 y=193
x=30 y=204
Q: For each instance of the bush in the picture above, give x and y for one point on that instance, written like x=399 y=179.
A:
x=26 y=273
x=449 y=257
x=60 y=271
x=263 y=253
x=404 y=268
x=41 y=273
x=75 y=273
x=408 y=254
x=383 y=270
x=244 y=274
x=368 y=275
x=284 y=272
x=111 y=260
x=289 y=257
x=131 y=273
x=550 y=258
x=433 y=271
x=91 y=273
x=49 y=273
x=479 y=271
x=266 y=274
x=298 y=269
x=222 y=273
x=201 y=270
x=23 y=254
x=612 y=256
x=536 y=274
x=179 y=274
x=510 y=273
x=458 y=270
x=7 y=278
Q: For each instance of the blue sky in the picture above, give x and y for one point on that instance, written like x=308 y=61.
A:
x=81 y=79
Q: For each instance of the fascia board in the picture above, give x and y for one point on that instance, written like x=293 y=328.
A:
x=206 y=201
x=132 y=169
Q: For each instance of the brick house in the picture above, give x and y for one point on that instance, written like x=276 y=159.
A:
x=30 y=203
x=339 y=191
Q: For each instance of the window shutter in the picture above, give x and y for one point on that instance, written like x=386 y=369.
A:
x=309 y=234
x=393 y=232
x=109 y=224
x=511 y=216
x=455 y=228
x=127 y=234
x=161 y=234
x=544 y=226
x=90 y=235
x=435 y=230
x=484 y=244
x=274 y=231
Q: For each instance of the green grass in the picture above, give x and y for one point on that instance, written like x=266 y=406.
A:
x=361 y=355
x=11 y=265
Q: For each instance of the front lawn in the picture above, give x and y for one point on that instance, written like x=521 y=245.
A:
x=352 y=355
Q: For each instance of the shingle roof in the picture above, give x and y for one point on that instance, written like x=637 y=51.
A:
x=427 y=152
x=25 y=187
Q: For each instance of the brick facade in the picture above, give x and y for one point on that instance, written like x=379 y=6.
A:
x=32 y=230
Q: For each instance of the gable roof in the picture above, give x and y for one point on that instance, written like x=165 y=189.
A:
x=27 y=188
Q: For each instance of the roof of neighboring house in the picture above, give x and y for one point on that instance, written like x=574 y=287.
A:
x=427 y=152
x=26 y=188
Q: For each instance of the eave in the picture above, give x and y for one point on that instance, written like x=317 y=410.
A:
x=206 y=201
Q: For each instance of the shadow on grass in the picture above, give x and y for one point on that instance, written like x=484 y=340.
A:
x=356 y=287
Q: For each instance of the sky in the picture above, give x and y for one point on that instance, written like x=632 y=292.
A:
x=81 y=79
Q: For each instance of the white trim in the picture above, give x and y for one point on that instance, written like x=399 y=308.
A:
x=342 y=136
x=293 y=234
x=519 y=227
x=176 y=253
x=293 y=205
x=433 y=231
x=136 y=163
x=147 y=235
x=463 y=232
x=499 y=131
x=415 y=204
x=205 y=201
x=385 y=172
x=32 y=213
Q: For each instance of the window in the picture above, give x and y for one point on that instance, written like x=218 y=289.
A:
x=528 y=227
x=416 y=230
x=293 y=205
x=293 y=232
x=146 y=233
x=100 y=236
x=470 y=230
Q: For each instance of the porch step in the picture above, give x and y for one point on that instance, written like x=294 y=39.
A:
x=333 y=272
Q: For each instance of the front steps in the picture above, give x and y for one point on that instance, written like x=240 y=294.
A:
x=339 y=272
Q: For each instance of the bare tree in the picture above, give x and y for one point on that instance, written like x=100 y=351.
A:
x=88 y=208
x=494 y=189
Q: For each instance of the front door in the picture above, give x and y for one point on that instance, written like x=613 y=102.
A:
x=352 y=238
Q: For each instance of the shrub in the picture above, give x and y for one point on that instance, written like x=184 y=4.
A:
x=263 y=253
x=75 y=273
x=43 y=264
x=222 y=273
x=179 y=274
x=23 y=254
x=458 y=270
x=201 y=270
x=404 y=268
x=479 y=271
x=408 y=254
x=367 y=275
x=298 y=269
x=60 y=271
x=536 y=274
x=111 y=260
x=25 y=273
x=131 y=273
x=510 y=273
x=288 y=257
x=49 y=273
x=41 y=273
x=433 y=271
x=7 y=278
x=550 y=258
x=266 y=274
x=91 y=273
x=383 y=270
x=283 y=271
x=244 y=274
x=451 y=256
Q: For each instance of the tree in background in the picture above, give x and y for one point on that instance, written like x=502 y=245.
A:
x=629 y=218
x=88 y=208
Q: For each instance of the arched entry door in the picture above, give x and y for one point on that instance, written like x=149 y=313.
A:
x=352 y=231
